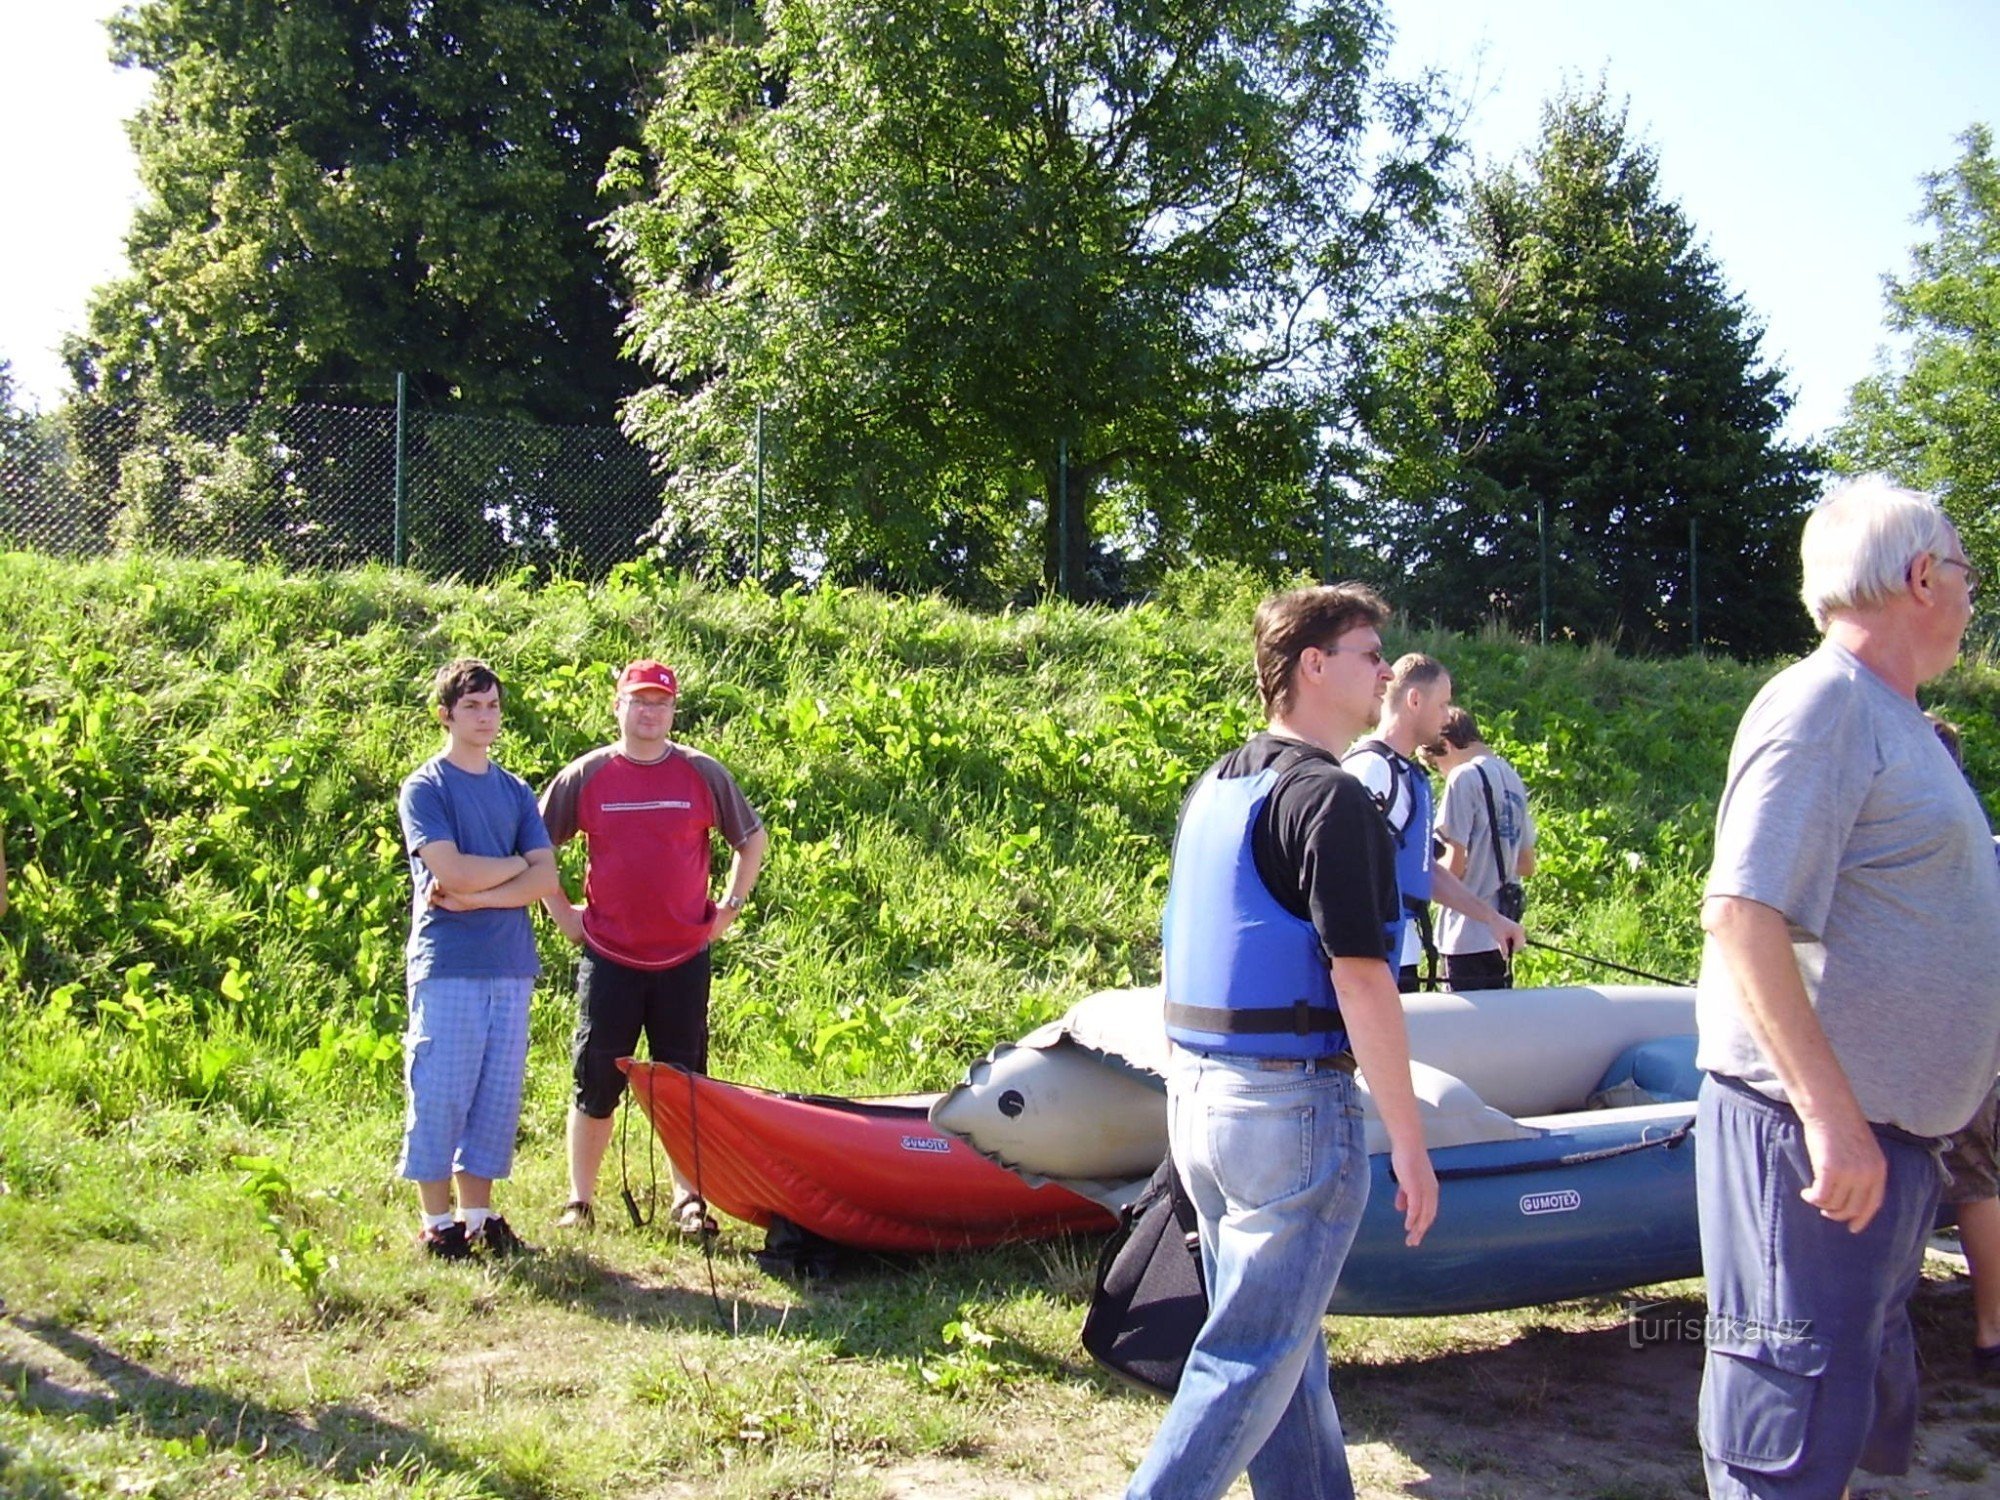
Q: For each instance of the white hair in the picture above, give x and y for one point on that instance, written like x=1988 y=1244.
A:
x=1860 y=541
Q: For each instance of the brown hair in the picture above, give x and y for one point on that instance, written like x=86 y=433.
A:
x=1460 y=729
x=1287 y=624
x=1413 y=669
x=455 y=679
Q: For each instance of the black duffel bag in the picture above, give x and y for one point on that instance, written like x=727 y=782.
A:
x=1150 y=1301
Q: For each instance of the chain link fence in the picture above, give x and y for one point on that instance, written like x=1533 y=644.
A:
x=326 y=487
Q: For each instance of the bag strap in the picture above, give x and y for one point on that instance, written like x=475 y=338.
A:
x=1492 y=822
x=1185 y=1213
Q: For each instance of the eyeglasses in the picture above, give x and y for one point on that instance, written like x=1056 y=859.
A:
x=1372 y=654
x=633 y=700
x=1973 y=577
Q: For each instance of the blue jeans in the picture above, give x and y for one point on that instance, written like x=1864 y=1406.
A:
x=1273 y=1157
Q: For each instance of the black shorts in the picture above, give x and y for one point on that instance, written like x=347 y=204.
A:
x=1477 y=971
x=615 y=1002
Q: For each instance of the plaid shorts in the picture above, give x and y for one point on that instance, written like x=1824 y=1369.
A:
x=1969 y=1159
x=464 y=1057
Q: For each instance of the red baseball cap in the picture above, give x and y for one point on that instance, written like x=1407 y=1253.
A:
x=647 y=673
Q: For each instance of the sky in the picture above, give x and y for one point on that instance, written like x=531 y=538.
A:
x=1791 y=132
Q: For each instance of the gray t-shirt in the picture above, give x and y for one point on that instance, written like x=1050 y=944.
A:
x=1844 y=813
x=1462 y=819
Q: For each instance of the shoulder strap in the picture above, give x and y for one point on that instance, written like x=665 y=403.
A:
x=1400 y=771
x=1492 y=822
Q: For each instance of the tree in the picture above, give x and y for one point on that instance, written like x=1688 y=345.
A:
x=1932 y=418
x=336 y=192
x=1016 y=288
x=1587 y=383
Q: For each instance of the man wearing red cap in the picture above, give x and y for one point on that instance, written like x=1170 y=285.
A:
x=647 y=807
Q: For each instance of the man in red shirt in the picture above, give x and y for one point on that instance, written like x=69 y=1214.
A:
x=648 y=808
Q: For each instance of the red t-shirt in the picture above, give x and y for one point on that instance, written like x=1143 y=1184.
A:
x=645 y=888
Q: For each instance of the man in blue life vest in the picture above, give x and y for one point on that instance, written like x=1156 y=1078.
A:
x=1413 y=712
x=1281 y=909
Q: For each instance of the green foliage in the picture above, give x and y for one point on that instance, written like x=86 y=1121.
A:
x=1015 y=284
x=336 y=193
x=970 y=814
x=302 y=1261
x=1586 y=358
x=1932 y=417
x=968 y=1366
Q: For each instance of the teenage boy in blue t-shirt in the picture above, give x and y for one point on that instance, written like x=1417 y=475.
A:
x=480 y=857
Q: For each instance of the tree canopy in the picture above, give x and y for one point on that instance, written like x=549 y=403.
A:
x=1586 y=383
x=336 y=192
x=1930 y=416
x=1021 y=289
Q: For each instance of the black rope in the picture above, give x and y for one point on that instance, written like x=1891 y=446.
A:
x=625 y=1176
x=1605 y=963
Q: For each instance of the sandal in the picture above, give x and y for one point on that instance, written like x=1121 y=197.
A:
x=691 y=1217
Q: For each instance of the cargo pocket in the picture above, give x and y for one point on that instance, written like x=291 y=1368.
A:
x=1757 y=1397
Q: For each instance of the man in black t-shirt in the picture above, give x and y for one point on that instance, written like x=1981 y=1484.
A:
x=1279 y=910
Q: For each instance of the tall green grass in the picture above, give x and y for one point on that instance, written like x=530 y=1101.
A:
x=970 y=814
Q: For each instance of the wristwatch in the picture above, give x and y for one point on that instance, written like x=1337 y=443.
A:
x=734 y=903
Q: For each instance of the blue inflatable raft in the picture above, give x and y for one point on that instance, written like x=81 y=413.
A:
x=1559 y=1123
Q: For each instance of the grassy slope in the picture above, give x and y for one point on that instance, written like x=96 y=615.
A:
x=969 y=823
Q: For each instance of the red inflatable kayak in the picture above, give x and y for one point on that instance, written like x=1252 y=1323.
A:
x=874 y=1174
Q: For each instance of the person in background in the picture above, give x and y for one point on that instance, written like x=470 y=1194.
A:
x=1489 y=842
x=479 y=858
x=1413 y=712
x=648 y=809
x=1281 y=910
x=1848 y=1010
x=1972 y=1167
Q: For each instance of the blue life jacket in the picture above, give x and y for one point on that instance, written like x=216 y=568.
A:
x=1243 y=974
x=1413 y=839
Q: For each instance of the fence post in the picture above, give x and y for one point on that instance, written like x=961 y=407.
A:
x=402 y=478
x=757 y=519
x=1694 y=584
x=1542 y=545
x=1062 y=516
x=1326 y=535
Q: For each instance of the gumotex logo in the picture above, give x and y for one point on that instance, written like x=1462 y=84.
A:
x=925 y=1143
x=1567 y=1201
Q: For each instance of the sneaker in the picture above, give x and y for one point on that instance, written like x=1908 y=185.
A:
x=1986 y=1361
x=577 y=1215
x=448 y=1243
x=496 y=1237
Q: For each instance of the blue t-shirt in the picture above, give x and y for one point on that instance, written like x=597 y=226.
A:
x=493 y=814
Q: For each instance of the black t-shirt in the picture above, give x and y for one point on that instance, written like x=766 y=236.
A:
x=1321 y=846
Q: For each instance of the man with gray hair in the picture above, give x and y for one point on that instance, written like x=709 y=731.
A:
x=1849 y=1010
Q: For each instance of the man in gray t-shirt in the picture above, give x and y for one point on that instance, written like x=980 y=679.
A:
x=1849 y=1009
x=1479 y=788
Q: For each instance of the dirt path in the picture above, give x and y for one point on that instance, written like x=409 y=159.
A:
x=1553 y=1414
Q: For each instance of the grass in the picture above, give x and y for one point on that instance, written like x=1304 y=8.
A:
x=207 y=1274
